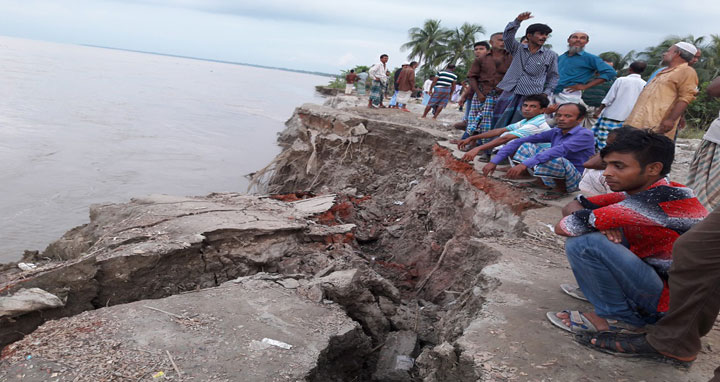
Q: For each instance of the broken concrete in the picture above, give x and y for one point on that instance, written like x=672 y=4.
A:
x=215 y=334
x=444 y=273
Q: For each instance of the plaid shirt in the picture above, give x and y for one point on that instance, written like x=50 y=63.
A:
x=529 y=73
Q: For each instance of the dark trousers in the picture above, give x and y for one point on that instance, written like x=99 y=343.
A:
x=694 y=291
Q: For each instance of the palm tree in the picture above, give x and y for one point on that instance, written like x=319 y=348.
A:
x=459 y=46
x=425 y=41
x=620 y=62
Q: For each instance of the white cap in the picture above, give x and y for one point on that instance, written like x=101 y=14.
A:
x=686 y=46
x=580 y=31
x=405 y=63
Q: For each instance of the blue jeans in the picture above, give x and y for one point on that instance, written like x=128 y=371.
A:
x=618 y=283
x=393 y=100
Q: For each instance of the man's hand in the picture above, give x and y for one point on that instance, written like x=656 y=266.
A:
x=463 y=143
x=597 y=113
x=523 y=16
x=615 y=235
x=665 y=126
x=577 y=87
x=552 y=108
x=470 y=155
x=489 y=169
x=516 y=171
x=462 y=100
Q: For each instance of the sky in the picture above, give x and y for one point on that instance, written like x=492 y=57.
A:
x=330 y=35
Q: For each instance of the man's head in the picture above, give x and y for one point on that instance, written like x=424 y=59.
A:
x=352 y=70
x=481 y=49
x=405 y=64
x=679 y=53
x=537 y=33
x=534 y=105
x=636 y=159
x=577 y=42
x=496 y=40
x=638 y=67
x=450 y=67
x=414 y=64
x=569 y=115
x=383 y=58
x=696 y=58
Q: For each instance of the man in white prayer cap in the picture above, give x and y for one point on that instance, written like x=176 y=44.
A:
x=664 y=100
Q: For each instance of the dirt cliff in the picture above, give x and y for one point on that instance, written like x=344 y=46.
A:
x=367 y=248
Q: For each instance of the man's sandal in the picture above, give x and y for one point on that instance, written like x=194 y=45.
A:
x=628 y=345
x=552 y=195
x=574 y=291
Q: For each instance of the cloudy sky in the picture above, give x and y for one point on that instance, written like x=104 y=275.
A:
x=328 y=35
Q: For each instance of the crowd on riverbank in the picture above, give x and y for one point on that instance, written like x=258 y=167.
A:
x=644 y=250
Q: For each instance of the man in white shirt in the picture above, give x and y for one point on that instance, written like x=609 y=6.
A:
x=427 y=86
x=378 y=74
x=704 y=173
x=618 y=103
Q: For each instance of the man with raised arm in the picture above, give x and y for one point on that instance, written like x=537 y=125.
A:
x=533 y=70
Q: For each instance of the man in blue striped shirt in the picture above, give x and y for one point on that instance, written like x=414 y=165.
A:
x=441 y=90
x=533 y=70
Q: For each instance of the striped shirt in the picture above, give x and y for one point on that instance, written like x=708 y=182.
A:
x=445 y=78
x=529 y=73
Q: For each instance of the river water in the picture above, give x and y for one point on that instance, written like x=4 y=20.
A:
x=82 y=125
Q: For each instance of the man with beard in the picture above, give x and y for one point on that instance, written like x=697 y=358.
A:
x=579 y=70
x=664 y=99
x=533 y=70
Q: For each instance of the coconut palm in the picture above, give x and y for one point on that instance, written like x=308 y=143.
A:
x=425 y=42
x=620 y=62
x=459 y=48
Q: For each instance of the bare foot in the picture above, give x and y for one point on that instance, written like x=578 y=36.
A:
x=600 y=323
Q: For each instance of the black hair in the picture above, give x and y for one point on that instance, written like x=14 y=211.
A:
x=542 y=28
x=413 y=63
x=483 y=43
x=383 y=55
x=638 y=67
x=352 y=70
x=451 y=67
x=540 y=98
x=646 y=146
x=581 y=109
x=495 y=34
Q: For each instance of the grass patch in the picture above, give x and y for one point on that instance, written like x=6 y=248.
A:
x=691 y=133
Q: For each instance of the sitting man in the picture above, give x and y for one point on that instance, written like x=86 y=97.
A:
x=621 y=243
x=533 y=110
x=593 y=181
x=560 y=167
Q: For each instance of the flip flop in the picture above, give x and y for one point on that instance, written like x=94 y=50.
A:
x=552 y=195
x=578 y=322
x=573 y=291
x=631 y=345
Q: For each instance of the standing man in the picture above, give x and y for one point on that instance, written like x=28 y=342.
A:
x=579 y=70
x=361 y=82
x=663 y=101
x=406 y=84
x=704 y=175
x=396 y=76
x=427 y=86
x=441 y=90
x=350 y=79
x=618 y=103
x=378 y=74
x=481 y=79
x=533 y=70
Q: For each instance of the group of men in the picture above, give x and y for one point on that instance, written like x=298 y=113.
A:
x=643 y=249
